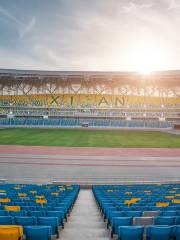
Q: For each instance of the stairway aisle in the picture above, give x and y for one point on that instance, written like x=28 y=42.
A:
x=85 y=222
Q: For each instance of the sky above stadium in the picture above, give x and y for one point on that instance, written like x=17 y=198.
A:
x=107 y=35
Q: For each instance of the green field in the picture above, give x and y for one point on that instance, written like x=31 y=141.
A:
x=88 y=138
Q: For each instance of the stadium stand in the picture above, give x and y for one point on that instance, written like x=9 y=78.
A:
x=144 y=211
x=34 y=211
x=78 y=122
x=101 y=99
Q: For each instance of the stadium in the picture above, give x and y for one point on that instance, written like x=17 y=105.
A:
x=125 y=181
x=89 y=120
x=90 y=99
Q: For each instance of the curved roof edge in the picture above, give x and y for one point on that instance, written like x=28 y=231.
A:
x=58 y=73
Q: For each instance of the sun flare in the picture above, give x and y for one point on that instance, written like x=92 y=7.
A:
x=146 y=58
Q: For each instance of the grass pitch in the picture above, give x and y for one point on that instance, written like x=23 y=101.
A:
x=88 y=138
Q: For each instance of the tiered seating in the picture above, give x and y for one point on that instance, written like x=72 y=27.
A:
x=83 y=112
x=71 y=122
x=38 y=211
x=137 y=211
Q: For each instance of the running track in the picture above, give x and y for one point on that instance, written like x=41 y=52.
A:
x=60 y=163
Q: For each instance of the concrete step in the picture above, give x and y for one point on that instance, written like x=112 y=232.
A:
x=85 y=222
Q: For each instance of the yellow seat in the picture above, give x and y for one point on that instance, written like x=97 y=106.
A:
x=11 y=232
x=176 y=201
x=12 y=208
x=42 y=201
x=177 y=194
x=5 y=200
x=22 y=194
x=161 y=204
x=128 y=193
x=40 y=196
x=168 y=197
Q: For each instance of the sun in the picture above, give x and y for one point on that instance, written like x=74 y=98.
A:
x=146 y=58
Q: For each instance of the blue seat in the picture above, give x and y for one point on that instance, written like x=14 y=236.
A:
x=177 y=220
x=49 y=221
x=36 y=213
x=37 y=232
x=120 y=221
x=29 y=208
x=18 y=213
x=58 y=214
x=61 y=209
x=168 y=213
x=114 y=214
x=131 y=232
x=133 y=213
x=159 y=232
x=164 y=220
x=4 y=213
x=177 y=233
x=25 y=221
x=6 y=220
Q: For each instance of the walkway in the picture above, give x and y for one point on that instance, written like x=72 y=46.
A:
x=85 y=222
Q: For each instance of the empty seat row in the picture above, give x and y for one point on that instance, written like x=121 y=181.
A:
x=116 y=222
x=151 y=233
x=140 y=207
x=37 y=211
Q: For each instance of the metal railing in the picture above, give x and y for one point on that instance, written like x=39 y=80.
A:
x=92 y=180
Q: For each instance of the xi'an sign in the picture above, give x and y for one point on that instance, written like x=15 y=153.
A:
x=84 y=100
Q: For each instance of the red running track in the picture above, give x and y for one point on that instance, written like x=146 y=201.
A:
x=88 y=151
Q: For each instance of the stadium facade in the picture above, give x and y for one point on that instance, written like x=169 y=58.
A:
x=107 y=99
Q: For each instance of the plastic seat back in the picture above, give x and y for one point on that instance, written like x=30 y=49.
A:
x=36 y=213
x=25 y=221
x=18 y=213
x=133 y=213
x=151 y=213
x=37 y=232
x=164 y=220
x=58 y=214
x=168 y=213
x=129 y=233
x=159 y=232
x=4 y=213
x=177 y=232
x=120 y=221
x=6 y=220
x=143 y=221
x=49 y=221
x=12 y=232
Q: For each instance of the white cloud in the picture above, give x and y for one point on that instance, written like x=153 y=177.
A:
x=7 y=14
x=22 y=27
x=46 y=54
x=173 y=4
x=26 y=28
x=131 y=7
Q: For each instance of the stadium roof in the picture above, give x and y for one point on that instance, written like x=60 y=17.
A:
x=163 y=78
x=66 y=73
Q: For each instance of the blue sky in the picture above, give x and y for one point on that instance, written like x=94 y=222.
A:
x=103 y=35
